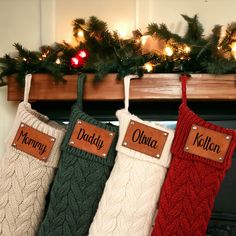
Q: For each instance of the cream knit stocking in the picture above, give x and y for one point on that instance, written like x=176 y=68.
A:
x=132 y=191
x=25 y=180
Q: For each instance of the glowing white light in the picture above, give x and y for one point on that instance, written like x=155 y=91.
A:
x=233 y=49
x=144 y=39
x=168 y=51
x=58 y=61
x=122 y=33
x=148 y=67
x=80 y=34
x=187 y=49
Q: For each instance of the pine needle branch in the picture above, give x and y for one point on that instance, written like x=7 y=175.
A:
x=195 y=29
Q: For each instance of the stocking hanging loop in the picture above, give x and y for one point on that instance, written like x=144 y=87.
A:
x=28 y=79
x=80 y=90
x=126 y=87
x=183 y=78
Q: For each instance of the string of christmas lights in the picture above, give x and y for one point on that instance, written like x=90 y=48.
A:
x=97 y=50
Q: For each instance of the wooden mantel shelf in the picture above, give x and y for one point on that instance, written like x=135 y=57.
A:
x=150 y=87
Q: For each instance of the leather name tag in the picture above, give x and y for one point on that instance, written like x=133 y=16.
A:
x=33 y=142
x=91 y=138
x=145 y=139
x=207 y=143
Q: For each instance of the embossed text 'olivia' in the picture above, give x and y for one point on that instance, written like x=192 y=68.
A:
x=140 y=137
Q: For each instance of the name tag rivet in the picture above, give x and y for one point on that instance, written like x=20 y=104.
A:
x=132 y=123
x=220 y=158
x=104 y=154
x=165 y=134
x=186 y=148
x=158 y=155
x=22 y=125
x=72 y=142
x=194 y=127
x=111 y=134
x=14 y=144
x=227 y=137
x=79 y=122
x=52 y=139
x=125 y=143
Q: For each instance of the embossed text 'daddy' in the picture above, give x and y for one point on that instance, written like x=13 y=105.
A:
x=92 y=139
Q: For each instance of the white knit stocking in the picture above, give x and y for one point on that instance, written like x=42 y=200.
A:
x=25 y=180
x=130 y=197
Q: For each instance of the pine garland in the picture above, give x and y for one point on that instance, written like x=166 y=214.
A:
x=109 y=53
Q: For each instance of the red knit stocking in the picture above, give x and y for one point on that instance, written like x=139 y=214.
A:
x=192 y=182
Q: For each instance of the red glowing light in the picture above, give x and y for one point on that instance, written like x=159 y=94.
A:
x=82 y=53
x=76 y=62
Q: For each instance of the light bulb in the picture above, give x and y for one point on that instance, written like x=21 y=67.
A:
x=75 y=60
x=83 y=53
x=144 y=39
x=148 y=67
x=233 y=49
x=168 y=51
x=187 y=49
x=80 y=34
x=58 y=61
x=122 y=33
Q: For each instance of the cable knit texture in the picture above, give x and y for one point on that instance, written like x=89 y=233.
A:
x=78 y=184
x=131 y=193
x=25 y=180
x=192 y=183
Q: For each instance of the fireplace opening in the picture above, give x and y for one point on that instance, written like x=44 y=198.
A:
x=222 y=113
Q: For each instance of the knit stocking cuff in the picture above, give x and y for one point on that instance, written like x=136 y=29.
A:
x=41 y=123
x=79 y=114
x=124 y=118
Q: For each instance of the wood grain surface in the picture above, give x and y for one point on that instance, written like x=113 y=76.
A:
x=149 y=87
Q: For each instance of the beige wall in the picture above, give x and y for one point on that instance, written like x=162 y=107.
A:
x=19 y=22
x=128 y=14
x=7 y=114
x=119 y=15
x=36 y=22
x=210 y=12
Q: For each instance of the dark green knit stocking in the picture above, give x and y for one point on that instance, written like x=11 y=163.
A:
x=78 y=184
